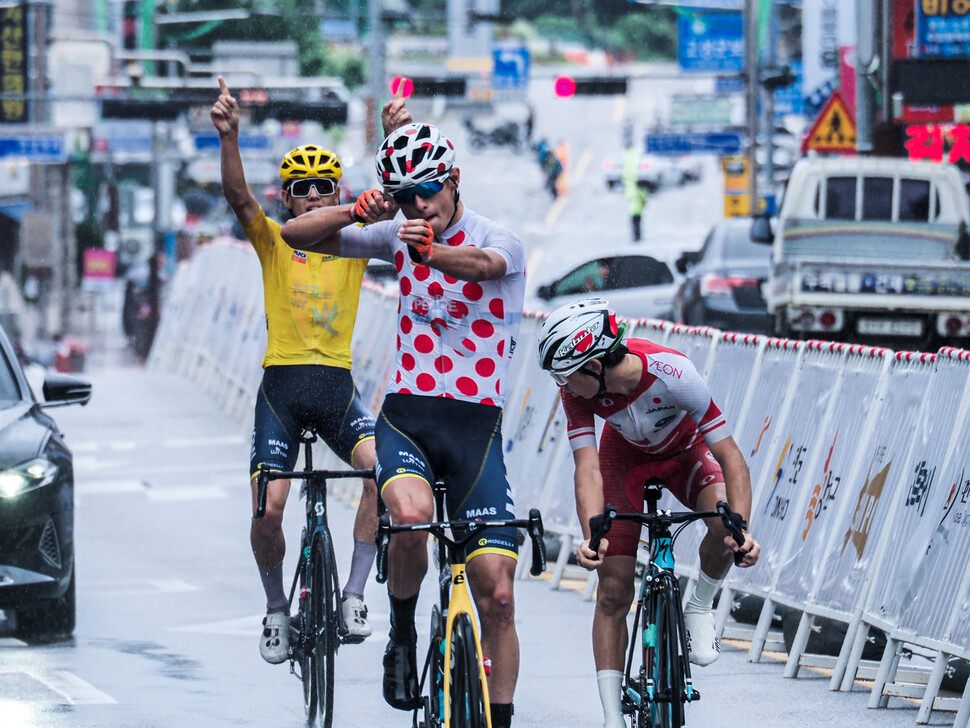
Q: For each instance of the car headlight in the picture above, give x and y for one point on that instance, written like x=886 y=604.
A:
x=30 y=475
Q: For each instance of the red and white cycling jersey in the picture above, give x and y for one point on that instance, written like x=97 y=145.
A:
x=669 y=412
x=455 y=338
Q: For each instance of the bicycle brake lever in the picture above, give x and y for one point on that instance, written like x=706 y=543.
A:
x=536 y=532
x=262 y=481
x=382 y=538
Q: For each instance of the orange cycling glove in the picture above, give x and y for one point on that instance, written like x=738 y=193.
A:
x=363 y=200
x=422 y=251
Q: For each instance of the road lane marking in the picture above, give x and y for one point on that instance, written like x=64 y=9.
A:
x=555 y=211
x=87 y=486
x=72 y=688
x=584 y=161
x=204 y=441
x=143 y=586
x=533 y=263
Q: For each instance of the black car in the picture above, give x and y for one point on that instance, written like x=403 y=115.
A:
x=36 y=501
x=723 y=280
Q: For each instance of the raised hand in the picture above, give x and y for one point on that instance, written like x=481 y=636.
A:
x=395 y=114
x=225 y=111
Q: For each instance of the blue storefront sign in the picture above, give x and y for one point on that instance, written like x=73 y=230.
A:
x=719 y=142
x=789 y=100
x=247 y=142
x=511 y=68
x=942 y=30
x=40 y=148
x=710 y=42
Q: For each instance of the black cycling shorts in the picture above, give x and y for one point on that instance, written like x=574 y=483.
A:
x=459 y=443
x=294 y=397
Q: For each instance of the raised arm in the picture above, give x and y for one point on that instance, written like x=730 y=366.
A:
x=225 y=118
x=318 y=230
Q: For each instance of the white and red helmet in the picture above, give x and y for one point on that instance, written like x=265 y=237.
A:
x=413 y=154
x=576 y=333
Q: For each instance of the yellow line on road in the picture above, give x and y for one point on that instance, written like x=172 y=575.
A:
x=555 y=211
x=532 y=265
x=584 y=161
x=619 y=109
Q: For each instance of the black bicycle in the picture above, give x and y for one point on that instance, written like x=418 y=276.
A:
x=656 y=695
x=455 y=669
x=318 y=628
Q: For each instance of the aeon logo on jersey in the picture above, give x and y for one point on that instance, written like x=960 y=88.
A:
x=665 y=368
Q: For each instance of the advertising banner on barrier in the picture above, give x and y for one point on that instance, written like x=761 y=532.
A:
x=854 y=550
x=731 y=374
x=921 y=578
x=785 y=487
x=827 y=482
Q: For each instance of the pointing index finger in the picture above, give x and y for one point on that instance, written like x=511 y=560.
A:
x=223 y=87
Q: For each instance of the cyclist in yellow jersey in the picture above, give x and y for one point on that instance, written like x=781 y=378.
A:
x=311 y=306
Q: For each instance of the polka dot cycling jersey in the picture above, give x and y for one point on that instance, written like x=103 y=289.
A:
x=668 y=413
x=455 y=338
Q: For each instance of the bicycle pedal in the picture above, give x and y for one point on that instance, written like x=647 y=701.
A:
x=351 y=639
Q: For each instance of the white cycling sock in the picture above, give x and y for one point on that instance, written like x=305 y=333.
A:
x=702 y=600
x=609 y=682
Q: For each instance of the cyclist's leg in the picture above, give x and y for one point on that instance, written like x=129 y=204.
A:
x=348 y=429
x=614 y=594
x=272 y=447
x=403 y=478
x=700 y=489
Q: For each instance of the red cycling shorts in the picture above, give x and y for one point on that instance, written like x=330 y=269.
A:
x=626 y=468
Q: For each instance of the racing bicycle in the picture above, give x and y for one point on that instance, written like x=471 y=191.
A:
x=455 y=669
x=656 y=695
x=317 y=629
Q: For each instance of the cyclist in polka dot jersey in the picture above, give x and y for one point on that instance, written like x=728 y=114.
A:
x=461 y=280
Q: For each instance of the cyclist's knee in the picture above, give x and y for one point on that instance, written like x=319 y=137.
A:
x=271 y=522
x=614 y=597
x=498 y=607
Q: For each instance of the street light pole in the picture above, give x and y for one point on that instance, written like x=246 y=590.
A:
x=751 y=74
x=375 y=72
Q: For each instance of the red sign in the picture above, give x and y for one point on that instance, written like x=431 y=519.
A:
x=99 y=263
x=938 y=142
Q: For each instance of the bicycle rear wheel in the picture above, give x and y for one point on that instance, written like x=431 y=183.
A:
x=324 y=635
x=467 y=694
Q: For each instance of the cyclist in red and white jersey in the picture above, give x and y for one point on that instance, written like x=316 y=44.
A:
x=660 y=421
x=461 y=279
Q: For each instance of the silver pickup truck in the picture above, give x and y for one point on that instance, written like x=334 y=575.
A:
x=872 y=250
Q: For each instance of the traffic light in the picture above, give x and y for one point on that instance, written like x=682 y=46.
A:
x=427 y=86
x=567 y=86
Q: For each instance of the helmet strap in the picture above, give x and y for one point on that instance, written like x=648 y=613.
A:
x=601 y=378
x=452 y=218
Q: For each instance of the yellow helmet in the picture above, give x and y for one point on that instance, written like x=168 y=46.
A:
x=310 y=161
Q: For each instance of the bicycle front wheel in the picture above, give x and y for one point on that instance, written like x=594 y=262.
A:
x=306 y=619
x=663 y=660
x=324 y=633
x=466 y=694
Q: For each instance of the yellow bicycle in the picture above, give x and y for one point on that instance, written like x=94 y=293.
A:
x=455 y=669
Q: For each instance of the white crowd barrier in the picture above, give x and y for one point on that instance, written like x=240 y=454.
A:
x=859 y=459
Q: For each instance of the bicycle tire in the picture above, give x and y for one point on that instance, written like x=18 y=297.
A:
x=434 y=710
x=324 y=635
x=305 y=617
x=662 y=660
x=467 y=697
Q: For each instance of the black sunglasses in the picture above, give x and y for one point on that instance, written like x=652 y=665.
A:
x=423 y=190
x=323 y=186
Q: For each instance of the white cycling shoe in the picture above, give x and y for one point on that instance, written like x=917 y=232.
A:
x=274 y=642
x=702 y=645
x=355 y=618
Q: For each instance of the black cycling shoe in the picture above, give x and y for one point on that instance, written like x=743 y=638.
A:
x=401 y=675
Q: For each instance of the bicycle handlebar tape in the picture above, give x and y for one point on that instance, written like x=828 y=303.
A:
x=422 y=251
x=382 y=538
x=736 y=525
x=360 y=206
x=261 y=487
x=536 y=531
x=599 y=526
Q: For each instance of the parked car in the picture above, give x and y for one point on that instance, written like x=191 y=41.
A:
x=723 y=284
x=636 y=285
x=36 y=501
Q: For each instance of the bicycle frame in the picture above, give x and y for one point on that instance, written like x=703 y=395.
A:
x=658 y=576
x=454 y=595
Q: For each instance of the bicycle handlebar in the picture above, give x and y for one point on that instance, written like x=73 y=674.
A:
x=533 y=525
x=600 y=524
x=263 y=478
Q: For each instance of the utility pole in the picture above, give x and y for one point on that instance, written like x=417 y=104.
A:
x=754 y=86
x=375 y=73
x=865 y=92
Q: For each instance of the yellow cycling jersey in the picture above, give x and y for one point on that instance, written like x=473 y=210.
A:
x=311 y=299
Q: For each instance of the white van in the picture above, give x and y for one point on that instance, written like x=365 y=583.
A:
x=875 y=248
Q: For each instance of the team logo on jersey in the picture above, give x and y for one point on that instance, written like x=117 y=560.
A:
x=662 y=423
x=299 y=256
